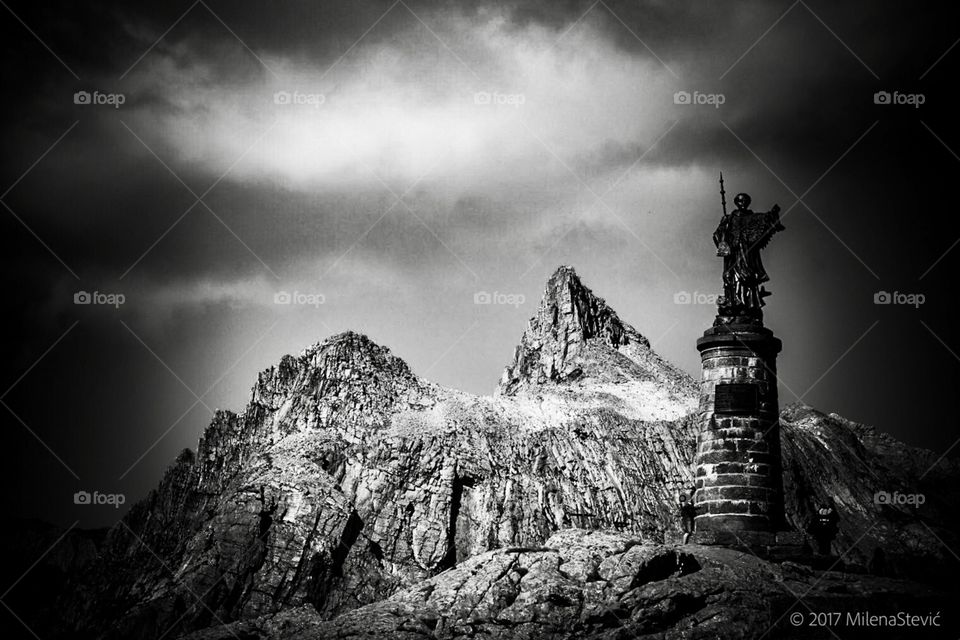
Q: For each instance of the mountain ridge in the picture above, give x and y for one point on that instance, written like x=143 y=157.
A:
x=347 y=478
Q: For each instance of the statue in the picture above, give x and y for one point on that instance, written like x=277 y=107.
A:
x=739 y=238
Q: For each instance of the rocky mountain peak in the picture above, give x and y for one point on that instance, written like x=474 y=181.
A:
x=347 y=353
x=349 y=345
x=575 y=310
x=570 y=317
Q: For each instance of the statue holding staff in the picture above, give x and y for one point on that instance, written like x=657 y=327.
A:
x=739 y=238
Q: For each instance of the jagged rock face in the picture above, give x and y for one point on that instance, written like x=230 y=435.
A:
x=829 y=458
x=601 y=584
x=347 y=479
x=575 y=334
x=258 y=519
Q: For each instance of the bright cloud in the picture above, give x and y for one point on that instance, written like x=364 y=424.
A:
x=521 y=103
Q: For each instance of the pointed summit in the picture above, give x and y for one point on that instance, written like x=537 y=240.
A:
x=569 y=321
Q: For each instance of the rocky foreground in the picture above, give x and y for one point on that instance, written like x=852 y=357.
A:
x=600 y=584
x=352 y=498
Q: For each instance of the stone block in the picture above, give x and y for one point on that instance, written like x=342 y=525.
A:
x=748 y=479
x=732 y=522
x=717 y=457
x=731 y=492
x=759 y=458
x=749 y=432
x=716 y=444
x=722 y=507
x=718 y=537
x=791 y=538
x=730 y=467
x=753 y=446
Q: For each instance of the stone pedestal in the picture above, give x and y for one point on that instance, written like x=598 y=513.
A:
x=776 y=547
x=738 y=470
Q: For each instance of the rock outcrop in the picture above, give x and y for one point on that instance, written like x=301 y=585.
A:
x=576 y=335
x=602 y=584
x=349 y=483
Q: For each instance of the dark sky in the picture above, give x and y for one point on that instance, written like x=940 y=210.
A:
x=430 y=151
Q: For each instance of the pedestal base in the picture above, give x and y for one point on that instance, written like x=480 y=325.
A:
x=738 y=485
x=769 y=545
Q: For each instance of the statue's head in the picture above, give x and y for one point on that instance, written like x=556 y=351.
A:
x=741 y=200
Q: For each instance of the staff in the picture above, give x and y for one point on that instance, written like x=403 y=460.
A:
x=723 y=195
x=720 y=237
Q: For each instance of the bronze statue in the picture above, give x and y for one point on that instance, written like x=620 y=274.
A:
x=739 y=238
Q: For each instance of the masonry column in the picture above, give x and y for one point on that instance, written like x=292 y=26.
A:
x=738 y=470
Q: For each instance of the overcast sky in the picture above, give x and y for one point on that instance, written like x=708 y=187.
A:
x=389 y=161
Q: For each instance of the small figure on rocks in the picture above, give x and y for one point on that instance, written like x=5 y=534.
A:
x=824 y=527
x=688 y=511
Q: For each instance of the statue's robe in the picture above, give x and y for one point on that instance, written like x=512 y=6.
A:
x=745 y=233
